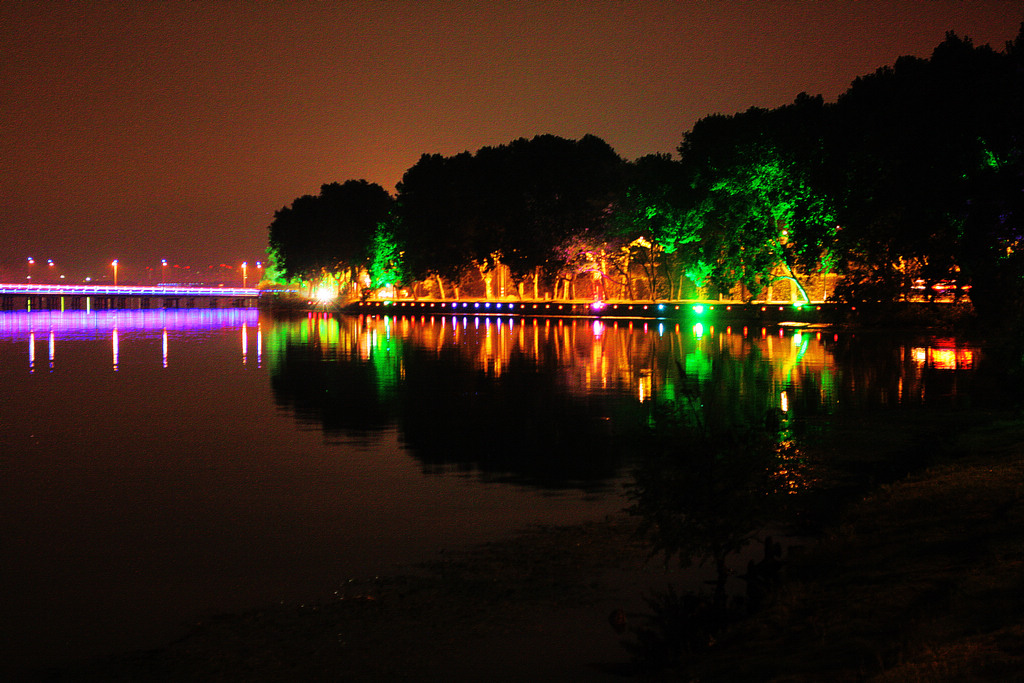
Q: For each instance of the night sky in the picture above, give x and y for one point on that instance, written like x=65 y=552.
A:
x=148 y=130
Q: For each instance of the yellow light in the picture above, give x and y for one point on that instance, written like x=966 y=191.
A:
x=944 y=359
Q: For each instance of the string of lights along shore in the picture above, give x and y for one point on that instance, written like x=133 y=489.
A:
x=166 y=272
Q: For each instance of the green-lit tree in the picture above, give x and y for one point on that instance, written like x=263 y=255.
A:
x=386 y=267
x=650 y=215
x=757 y=211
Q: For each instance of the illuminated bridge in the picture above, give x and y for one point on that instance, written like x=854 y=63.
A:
x=101 y=297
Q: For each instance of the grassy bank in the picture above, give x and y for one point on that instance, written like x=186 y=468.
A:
x=922 y=581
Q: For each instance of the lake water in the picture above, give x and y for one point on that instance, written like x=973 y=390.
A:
x=161 y=466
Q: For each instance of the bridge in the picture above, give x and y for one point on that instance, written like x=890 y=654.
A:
x=101 y=297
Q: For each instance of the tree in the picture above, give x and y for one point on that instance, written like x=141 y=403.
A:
x=516 y=205
x=386 y=267
x=561 y=193
x=435 y=209
x=329 y=234
x=758 y=211
x=651 y=216
x=930 y=186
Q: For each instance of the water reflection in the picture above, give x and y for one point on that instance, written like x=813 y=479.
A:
x=557 y=402
x=115 y=325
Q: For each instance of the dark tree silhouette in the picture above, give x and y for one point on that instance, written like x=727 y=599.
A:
x=516 y=204
x=928 y=164
x=329 y=233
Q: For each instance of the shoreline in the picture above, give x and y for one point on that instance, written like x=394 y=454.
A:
x=769 y=313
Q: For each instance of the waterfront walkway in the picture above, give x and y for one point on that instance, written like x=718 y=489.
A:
x=768 y=311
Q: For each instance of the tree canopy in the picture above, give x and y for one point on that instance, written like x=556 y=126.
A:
x=913 y=179
x=331 y=232
x=519 y=205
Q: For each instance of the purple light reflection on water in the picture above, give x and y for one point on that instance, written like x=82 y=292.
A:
x=152 y=479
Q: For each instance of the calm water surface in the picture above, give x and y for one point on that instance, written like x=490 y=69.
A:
x=158 y=467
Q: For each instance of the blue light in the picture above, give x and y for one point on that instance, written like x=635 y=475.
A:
x=661 y=307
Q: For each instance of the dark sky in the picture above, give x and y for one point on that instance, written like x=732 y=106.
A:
x=145 y=130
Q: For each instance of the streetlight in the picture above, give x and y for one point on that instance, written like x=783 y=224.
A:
x=245 y=273
x=114 y=264
x=259 y=267
x=31 y=262
x=49 y=262
x=163 y=271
